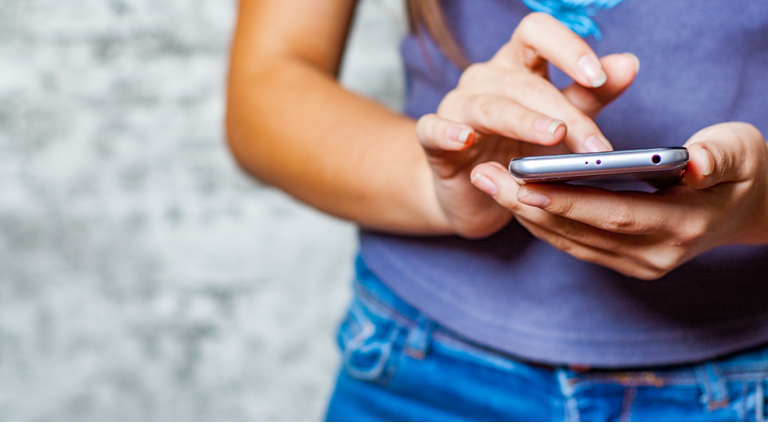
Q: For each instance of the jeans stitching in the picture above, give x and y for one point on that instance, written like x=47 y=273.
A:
x=743 y=405
x=359 y=343
x=418 y=339
x=571 y=406
x=720 y=385
x=439 y=333
x=380 y=309
x=630 y=393
x=713 y=386
x=487 y=356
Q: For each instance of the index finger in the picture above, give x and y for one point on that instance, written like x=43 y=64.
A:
x=620 y=212
x=540 y=38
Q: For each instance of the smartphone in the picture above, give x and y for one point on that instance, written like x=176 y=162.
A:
x=644 y=170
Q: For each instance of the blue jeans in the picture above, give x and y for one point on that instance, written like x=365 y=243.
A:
x=399 y=366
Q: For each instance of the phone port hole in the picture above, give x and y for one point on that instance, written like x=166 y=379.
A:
x=598 y=162
x=656 y=159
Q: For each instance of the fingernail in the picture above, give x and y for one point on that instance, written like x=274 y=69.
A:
x=707 y=162
x=594 y=144
x=484 y=184
x=534 y=199
x=547 y=125
x=634 y=60
x=463 y=135
x=591 y=69
x=458 y=133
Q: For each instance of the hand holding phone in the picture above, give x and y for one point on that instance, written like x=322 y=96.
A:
x=644 y=170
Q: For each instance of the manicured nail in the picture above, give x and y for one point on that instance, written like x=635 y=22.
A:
x=458 y=133
x=634 y=60
x=591 y=69
x=594 y=144
x=484 y=184
x=534 y=199
x=707 y=162
x=547 y=125
x=463 y=135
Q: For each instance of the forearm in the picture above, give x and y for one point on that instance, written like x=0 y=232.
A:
x=293 y=126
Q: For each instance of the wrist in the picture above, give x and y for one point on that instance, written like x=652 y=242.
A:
x=433 y=213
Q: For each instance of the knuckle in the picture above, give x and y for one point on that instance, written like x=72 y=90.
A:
x=621 y=219
x=425 y=128
x=532 y=22
x=452 y=106
x=563 y=245
x=581 y=120
x=692 y=230
x=472 y=75
x=565 y=208
x=720 y=162
x=662 y=262
x=425 y=121
x=484 y=109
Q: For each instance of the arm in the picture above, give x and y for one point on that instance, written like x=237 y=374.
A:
x=290 y=124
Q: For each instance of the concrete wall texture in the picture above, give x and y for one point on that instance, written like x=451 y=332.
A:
x=142 y=276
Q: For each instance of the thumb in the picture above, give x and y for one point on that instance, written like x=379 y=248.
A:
x=712 y=162
x=621 y=70
x=726 y=152
x=494 y=179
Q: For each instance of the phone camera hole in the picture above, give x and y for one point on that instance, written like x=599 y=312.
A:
x=656 y=159
x=598 y=162
x=586 y=163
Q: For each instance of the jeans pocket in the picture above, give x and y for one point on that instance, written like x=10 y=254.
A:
x=370 y=344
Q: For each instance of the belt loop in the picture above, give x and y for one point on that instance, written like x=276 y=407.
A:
x=713 y=385
x=566 y=388
x=419 y=336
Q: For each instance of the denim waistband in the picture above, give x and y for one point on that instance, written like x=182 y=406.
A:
x=372 y=290
x=712 y=375
x=374 y=293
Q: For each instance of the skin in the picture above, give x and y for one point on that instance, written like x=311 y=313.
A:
x=290 y=124
x=721 y=201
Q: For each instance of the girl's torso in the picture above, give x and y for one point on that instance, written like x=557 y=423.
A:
x=702 y=63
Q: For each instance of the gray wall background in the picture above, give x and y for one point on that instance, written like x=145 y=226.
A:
x=142 y=276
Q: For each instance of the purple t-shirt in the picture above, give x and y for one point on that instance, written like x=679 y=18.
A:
x=702 y=63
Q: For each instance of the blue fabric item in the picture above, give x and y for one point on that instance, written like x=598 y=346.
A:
x=574 y=13
x=700 y=66
x=400 y=366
